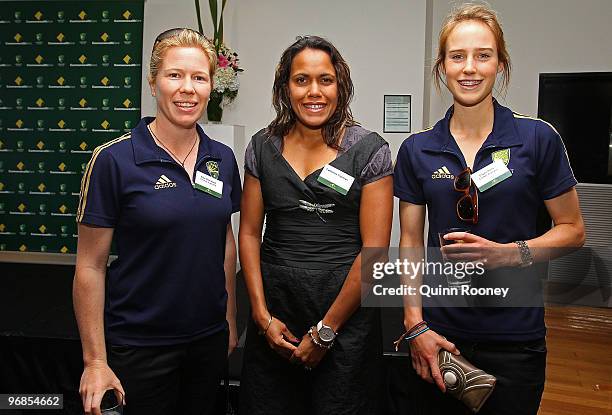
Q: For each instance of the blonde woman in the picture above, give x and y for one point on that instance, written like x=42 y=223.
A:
x=507 y=342
x=155 y=326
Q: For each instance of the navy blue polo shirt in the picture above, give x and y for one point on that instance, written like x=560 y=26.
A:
x=427 y=163
x=167 y=285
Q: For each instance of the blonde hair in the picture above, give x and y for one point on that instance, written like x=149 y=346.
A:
x=479 y=13
x=185 y=38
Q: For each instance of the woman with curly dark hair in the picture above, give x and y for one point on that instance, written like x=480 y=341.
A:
x=324 y=186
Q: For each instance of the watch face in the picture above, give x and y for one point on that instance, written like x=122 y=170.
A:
x=327 y=334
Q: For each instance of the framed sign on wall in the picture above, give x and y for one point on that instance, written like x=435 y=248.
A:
x=396 y=115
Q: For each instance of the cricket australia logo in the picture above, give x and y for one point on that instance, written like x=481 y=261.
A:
x=503 y=155
x=213 y=169
x=442 y=173
x=164 y=182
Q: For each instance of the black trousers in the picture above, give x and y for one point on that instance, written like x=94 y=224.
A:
x=519 y=369
x=178 y=379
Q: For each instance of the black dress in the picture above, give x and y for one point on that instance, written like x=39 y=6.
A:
x=311 y=240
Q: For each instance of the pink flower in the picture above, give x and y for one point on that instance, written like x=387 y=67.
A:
x=223 y=62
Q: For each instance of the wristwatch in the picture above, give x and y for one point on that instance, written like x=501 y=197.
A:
x=326 y=334
x=526 y=257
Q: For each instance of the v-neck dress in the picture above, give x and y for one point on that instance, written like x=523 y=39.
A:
x=312 y=238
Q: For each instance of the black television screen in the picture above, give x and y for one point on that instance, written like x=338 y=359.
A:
x=579 y=105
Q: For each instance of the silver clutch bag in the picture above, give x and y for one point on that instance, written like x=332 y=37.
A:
x=464 y=381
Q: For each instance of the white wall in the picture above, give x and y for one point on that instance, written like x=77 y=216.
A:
x=383 y=42
x=160 y=15
x=542 y=36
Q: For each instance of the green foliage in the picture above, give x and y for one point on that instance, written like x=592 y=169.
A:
x=217 y=20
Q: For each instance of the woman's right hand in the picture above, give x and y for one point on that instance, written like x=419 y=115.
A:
x=97 y=378
x=424 y=353
x=279 y=337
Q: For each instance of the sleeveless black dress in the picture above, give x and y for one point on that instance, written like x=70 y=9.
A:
x=311 y=239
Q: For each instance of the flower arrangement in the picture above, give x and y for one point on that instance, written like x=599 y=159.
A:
x=225 y=80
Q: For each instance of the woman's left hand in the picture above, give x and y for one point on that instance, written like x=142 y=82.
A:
x=308 y=354
x=469 y=247
x=233 y=337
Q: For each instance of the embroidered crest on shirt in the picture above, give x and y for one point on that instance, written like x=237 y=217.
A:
x=442 y=173
x=503 y=155
x=213 y=169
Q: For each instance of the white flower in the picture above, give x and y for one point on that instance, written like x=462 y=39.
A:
x=225 y=79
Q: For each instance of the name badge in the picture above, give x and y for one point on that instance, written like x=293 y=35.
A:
x=489 y=176
x=208 y=184
x=336 y=179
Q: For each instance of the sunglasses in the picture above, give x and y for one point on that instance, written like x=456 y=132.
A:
x=172 y=32
x=467 y=205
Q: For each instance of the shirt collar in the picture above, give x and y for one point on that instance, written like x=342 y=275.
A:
x=146 y=150
x=504 y=134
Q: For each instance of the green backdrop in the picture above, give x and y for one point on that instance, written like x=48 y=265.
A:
x=70 y=74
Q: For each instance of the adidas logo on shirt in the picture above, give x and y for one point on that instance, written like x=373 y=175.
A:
x=164 y=182
x=442 y=173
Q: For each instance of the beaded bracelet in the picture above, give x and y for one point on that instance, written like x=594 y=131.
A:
x=316 y=342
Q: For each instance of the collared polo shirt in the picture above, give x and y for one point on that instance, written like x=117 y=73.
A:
x=426 y=166
x=167 y=285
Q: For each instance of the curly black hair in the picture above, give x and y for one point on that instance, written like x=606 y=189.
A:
x=285 y=116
